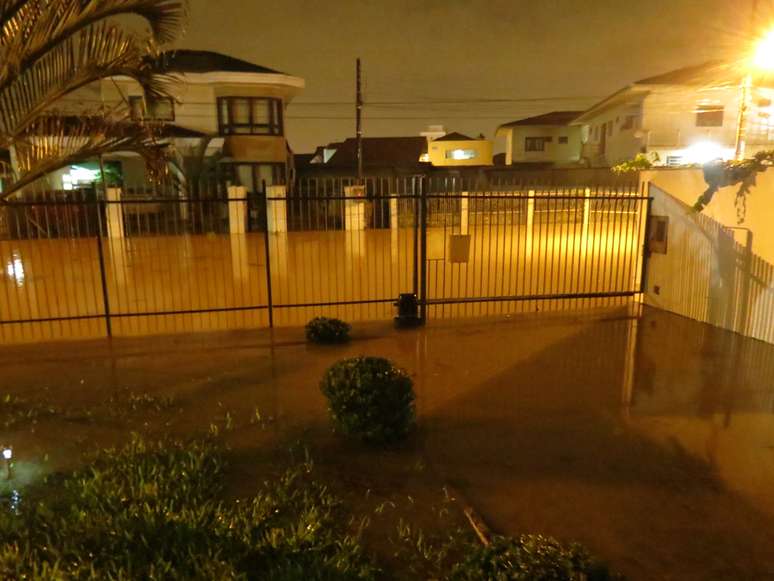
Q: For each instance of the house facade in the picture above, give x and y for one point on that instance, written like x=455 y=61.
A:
x=684 y=117
x=547 y=139
x=457 y=150
x=225 y=118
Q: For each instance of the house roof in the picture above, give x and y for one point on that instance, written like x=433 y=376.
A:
x=381 y=152
x=454 y=136
x=204 y=61
x=552 y=118
x=710 y=73
x=707 y=72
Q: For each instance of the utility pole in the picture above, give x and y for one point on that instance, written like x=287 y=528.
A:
x=359 y=122
x=745 y=92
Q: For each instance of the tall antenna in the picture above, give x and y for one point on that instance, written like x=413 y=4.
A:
x=359 y=122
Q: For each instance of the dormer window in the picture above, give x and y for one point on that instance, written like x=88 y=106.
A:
x=249 y=116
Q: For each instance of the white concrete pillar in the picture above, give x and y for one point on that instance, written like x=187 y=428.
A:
x=530 y=220
x=277 y=208
x=115 y=213
x=464 y=215
x=354 y=208
x=237 y=209
x=586 y=213
x=394 y=231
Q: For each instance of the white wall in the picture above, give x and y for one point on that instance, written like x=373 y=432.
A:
x=687 y=185
x=620 y=144
x=555 y=152
x=707 y=275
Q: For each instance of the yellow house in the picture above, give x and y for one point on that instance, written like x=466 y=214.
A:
x=456 y=150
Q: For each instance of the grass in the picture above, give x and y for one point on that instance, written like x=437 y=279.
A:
x=155 y=511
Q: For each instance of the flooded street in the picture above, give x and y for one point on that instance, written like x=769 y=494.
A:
x=649 y=439
x=53 y=288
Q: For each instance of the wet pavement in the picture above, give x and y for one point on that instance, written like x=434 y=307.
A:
x=648 y=438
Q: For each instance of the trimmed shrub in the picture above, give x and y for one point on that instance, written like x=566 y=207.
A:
x=370 y=399
x=529 y=558
x=327 y=331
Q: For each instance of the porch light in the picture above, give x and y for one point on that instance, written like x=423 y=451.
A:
x=7 y=453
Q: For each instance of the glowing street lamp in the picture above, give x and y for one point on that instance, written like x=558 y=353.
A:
x=762 y=61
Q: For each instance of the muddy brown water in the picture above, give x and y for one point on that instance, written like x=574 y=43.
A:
x=648 y=438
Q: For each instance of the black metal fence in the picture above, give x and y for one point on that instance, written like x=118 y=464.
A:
x=144 y=261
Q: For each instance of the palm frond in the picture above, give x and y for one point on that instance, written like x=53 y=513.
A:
x=97 y=52
x=42 y=25
x=54 y=142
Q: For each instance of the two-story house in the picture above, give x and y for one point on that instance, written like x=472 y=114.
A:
x=547 y=139
x=687 y=116
x=225 y=118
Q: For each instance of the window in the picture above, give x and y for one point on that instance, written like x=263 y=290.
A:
x=674 y=160
x=630 y=122
x=536 y=143
x=460 y=154
x=709 y=116
x=159 y=109
x=249 y=116
x=563 y=140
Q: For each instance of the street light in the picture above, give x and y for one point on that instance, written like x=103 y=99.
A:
x=763 y=59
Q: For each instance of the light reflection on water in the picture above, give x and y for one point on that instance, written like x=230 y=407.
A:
x=15 y=269
x=11 y=501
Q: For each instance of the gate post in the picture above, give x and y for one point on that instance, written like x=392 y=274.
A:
x=423 y=254
x=586 y=212
x=237 y=209
x=354 y=208
x=530 y=220
x=115 y=213
x=277 y=209
x=464 y=215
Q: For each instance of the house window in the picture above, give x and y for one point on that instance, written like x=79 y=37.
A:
x=563 y=140
x=460 y=154
x=674 y=160
x=630 y=122
x=249 y=116
x=709 y=116
x=158 y=109
x=536 y=143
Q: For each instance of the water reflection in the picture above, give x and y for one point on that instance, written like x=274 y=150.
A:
x=15 y=270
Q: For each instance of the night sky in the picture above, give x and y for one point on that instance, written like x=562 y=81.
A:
x=420 y=52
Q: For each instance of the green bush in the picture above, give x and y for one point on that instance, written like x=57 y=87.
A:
x=529 y=558
x=156 y=511
x=371 y=399
x=327 y=331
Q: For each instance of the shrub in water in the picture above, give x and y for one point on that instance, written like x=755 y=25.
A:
x=326 y=331
x=529 y=558
x=371 y=399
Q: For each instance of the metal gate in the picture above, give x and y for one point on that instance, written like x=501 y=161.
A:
x=82 y=265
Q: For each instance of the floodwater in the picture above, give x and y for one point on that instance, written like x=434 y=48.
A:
x=156 y=284
x=649 y=438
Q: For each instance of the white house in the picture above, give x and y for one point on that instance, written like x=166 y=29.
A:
x=687 y=116
x=545 y=139
x=225 y=113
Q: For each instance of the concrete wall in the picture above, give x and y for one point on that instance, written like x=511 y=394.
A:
x=688 y=184
x=555 y=152
x=707 y=275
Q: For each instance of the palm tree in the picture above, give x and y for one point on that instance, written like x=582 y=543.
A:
x=51 y=48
